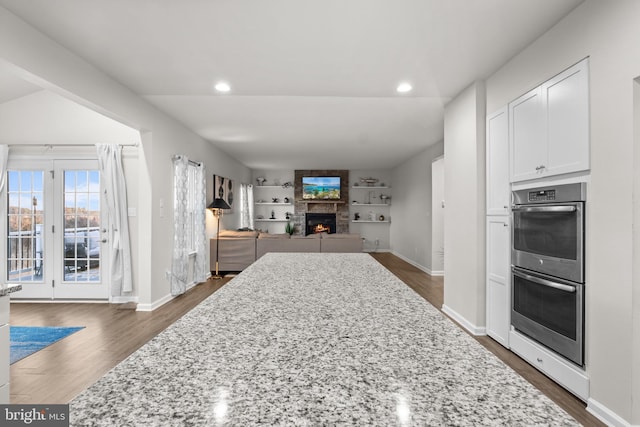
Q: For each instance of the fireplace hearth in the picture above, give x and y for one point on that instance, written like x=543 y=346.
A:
x=320 y=223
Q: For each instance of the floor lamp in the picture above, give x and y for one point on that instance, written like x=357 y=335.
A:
x=217 y=206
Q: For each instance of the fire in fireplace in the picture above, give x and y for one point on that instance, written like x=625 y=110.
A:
x=320 y=223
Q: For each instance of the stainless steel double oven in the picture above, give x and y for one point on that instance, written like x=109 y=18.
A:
x=548 y=267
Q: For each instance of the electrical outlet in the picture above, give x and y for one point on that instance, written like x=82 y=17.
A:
x=377 y=242
x=167 y=275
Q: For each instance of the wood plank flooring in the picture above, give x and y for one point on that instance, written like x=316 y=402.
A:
x=61 y=371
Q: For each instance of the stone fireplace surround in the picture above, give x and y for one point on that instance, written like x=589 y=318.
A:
x=340 y=207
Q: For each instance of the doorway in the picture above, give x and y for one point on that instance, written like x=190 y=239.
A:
x=56 y=241
x=437 y=217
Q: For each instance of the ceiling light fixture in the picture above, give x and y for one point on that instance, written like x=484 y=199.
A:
x=222 y=87
x=404 y=88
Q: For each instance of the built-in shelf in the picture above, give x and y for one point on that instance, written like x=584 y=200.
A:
x=366 y=220
x=272 y=220
x=272 y=186
x=370 y=204
x=273 y=204
x=364 y=187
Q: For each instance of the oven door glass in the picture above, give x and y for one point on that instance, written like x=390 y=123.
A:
x=550 y=311
x=555 y=309
x=554 y=231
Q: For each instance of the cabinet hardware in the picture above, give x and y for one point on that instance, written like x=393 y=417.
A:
x=539 y=360
x=505 y=224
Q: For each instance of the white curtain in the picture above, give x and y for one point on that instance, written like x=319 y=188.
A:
x=201 y=265
x=180 y=258
x=115 y=189
x=4 y=157
x=246 y=206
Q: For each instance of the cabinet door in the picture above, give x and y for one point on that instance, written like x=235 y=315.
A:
x=527 y=136
x=567 y=105
x=498 y=191
x=498 y=279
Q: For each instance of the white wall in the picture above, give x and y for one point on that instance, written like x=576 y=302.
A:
x=607 y=32
x=464 y=237
x=411 y=208
x=40 y=60
x=437 y=218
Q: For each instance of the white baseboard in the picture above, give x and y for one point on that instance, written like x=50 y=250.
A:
x=437 y=273
x=605 y=415
x=124 y=299
x=412 y=262
x=158 y=303
x=162 y=301
x=473 y=329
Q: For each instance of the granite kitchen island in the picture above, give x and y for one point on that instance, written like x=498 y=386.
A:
x=314 y=339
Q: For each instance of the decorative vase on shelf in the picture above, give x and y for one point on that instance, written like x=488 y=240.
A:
x=273 y=215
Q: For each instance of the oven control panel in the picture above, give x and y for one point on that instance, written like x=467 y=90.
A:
x=542 y=196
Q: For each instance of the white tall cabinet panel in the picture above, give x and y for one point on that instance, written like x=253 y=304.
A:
x=498 y=279
x=498 y=195
x=549 y=127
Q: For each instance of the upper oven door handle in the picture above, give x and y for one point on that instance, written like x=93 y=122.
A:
x=544 y=282
x=544 y=209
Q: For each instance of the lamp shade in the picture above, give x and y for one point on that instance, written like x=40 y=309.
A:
x=218 y=204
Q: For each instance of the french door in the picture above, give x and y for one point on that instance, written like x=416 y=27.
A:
x=56 y=244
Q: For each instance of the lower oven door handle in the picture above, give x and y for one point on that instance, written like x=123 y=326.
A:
x=544 y=209
x=544 y=282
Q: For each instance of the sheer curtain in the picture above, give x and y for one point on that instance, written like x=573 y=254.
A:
x=201 y=247
x=180 y=257
x=246 y=206
x=115 y=189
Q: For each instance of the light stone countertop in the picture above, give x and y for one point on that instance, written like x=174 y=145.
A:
x=314 y=340
x=8 y=289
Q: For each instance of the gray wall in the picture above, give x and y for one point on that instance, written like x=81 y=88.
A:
x=39 y=59
x=411 y=208
x=464 y=189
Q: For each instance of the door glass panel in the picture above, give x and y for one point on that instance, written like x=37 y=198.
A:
x=25 y=219
x=81 y=226
x=552 y=308
x=553 y=234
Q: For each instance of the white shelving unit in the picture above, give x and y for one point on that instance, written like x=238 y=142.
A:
x=264 y=205
x=365 y=200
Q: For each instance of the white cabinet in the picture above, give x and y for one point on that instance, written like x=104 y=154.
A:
x=549 y=127
x=498 y=303
x=567 y=102
x=498 y=188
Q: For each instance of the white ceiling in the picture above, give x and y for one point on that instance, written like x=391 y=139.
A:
x=313 y=82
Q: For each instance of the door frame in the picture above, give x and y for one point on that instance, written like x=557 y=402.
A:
x=45 y=161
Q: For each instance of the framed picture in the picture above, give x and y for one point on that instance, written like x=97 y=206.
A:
x=223 y=188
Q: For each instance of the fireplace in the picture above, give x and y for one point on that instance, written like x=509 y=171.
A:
x=320 y=223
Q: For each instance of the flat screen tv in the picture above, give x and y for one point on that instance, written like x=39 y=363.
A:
x=321 y=187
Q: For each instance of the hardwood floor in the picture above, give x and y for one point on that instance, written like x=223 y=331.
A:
x=59 y=372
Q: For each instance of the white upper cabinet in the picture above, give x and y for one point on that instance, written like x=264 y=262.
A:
x=498 y=190
x=567 y=97
x=549 y=127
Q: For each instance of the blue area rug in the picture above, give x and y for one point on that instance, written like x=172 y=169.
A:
x=26 y=340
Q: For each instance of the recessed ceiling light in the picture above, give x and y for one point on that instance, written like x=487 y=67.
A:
x=404 y=87
x=222 y=87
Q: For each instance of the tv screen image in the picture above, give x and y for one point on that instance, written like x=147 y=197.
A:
x=321 y=187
